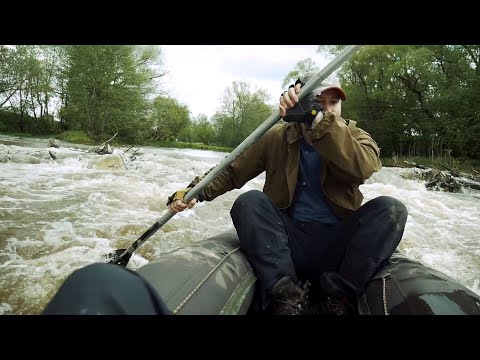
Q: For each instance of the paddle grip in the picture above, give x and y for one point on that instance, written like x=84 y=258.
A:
x=305 y=111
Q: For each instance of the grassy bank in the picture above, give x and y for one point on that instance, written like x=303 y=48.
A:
x=460 y=164
x=27 y=135
x=79 y=137
x=184 y=145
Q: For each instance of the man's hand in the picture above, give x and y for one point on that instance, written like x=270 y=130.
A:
x=179 y=205
x=308 y=111
x=175 y=202
x=289 y=98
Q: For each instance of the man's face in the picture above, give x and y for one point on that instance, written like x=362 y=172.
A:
x=330 y=100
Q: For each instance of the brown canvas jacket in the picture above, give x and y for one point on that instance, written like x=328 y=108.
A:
x=350 y=157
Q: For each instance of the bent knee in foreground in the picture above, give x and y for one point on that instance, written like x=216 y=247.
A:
x=396 y=210
x=250 y=198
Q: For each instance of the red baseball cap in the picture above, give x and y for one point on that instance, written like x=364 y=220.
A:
x=324 y=87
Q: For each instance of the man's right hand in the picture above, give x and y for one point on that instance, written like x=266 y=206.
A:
x=289 y=98
x=175 y=202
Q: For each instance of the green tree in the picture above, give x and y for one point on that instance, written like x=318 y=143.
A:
x=415 y=100
x=241 y=112
x=168 y=119
x=202 y=130
x=108 y=87
x=302 y=68
x=11 y=73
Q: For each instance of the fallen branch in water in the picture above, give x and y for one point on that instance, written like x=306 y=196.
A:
x=414 y=164
x=104 y=148
x=6 y=158
x=128 y=149
x=106 y=142
x=450 y=180
x=134 y=155
x=453 y=172
x=52 y=143
x=436 y=180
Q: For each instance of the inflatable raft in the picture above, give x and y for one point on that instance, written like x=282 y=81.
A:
x=213 y=277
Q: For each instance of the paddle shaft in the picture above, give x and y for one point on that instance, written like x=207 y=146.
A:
x=250 y=140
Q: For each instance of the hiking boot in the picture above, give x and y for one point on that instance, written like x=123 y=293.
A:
x=335 y=306
x=287 y=298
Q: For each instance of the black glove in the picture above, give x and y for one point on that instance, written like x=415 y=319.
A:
x=305 y=111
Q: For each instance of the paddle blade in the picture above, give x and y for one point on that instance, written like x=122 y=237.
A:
x=117 y=258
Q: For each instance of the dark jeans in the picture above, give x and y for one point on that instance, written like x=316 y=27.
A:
x=106 y=289
x=340 y=258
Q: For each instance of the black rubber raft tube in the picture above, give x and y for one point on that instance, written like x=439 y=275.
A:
x=213 y=277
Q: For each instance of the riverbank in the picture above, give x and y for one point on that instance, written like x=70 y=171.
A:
x=78 y=137
x=470 y=166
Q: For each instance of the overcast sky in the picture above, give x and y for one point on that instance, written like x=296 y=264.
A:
x=199 y=74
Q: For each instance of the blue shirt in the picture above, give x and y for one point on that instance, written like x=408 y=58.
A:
x=309 y=203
